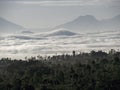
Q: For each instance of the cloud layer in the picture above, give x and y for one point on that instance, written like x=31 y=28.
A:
x=37 y=43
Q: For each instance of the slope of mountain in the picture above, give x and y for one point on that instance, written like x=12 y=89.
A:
x=7 y=26
x=89 y=23
x=60 y=32
x=112 y=23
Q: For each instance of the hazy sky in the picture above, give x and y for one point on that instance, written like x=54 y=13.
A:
x=49 y=13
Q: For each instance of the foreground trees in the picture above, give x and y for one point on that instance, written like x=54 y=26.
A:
x=85 y=71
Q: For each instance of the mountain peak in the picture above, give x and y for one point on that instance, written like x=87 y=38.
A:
x=89 y=23
x=86 y=18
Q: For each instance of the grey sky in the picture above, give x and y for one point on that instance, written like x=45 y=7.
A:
x=49 y=13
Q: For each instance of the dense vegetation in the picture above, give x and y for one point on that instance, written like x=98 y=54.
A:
x=85 y=71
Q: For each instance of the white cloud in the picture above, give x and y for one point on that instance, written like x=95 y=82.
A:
x=52 y=45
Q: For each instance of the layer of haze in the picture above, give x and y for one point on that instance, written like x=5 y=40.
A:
x=19 y=45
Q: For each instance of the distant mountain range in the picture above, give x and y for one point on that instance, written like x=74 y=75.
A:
x=7 y=26
x=86 y=23
x=89 y=23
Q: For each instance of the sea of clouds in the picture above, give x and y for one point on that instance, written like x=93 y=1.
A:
x=19 y=45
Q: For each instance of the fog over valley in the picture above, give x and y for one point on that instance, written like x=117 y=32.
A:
x=59 y=44
x=50 y=27
x=60 y=41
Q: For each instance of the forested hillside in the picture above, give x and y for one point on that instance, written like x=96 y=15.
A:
x=96 y=70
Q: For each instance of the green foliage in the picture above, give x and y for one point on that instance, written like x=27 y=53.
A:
x=85 y=71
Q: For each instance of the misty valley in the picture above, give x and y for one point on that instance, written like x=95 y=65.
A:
x=60 y=58
x=59 y=44
x=61 y=41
